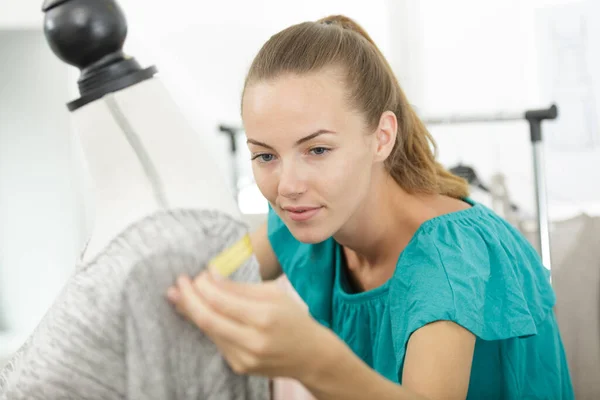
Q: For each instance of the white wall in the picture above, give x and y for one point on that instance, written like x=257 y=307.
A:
x=484 y=56
x=37 y=223
x=572 y=75
x=21 y=14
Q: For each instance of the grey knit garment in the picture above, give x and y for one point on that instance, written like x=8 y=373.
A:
x=111 y=333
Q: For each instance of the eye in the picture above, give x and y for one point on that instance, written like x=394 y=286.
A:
x=319 y=151
x=263 y=157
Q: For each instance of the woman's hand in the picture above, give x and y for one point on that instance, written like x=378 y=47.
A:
x=260 y=330
x=258 y=327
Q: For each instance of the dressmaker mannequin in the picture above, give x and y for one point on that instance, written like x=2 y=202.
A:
x=161 y=210
x=141 y=153
x=143 y=157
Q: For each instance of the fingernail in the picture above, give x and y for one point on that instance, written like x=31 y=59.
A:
x=173 y=294
x=182 y=279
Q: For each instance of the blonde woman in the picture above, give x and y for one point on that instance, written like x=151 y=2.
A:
x=414 y=290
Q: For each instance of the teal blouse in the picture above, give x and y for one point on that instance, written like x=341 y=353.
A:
x=470 y=267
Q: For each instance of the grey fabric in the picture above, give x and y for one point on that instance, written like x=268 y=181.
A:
x=576 y=281
x=575 y=248
x=111 y=334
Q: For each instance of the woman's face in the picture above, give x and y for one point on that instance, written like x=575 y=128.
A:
x=312 y=156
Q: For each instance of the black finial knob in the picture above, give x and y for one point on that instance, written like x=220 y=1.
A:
x=89 y=34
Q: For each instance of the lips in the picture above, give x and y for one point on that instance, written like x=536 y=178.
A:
x=300 y=214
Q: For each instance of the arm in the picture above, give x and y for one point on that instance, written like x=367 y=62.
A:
x=269 y=265
x=438 y=361
x=437 y=366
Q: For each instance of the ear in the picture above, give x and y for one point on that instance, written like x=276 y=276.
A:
x=385 y=135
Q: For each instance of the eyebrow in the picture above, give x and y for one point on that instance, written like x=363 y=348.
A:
x=298 y=142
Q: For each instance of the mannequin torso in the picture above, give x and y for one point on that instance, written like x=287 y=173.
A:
x=142 y=157
x=161 y=211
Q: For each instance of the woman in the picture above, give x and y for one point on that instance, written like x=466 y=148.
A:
x=414 y=290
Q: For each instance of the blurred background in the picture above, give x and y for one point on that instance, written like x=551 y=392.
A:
x=452 y=58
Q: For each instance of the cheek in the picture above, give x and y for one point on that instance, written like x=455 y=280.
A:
x=349 y=179
x=265 y=181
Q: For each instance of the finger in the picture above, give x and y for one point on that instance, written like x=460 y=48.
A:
x=173 y=295
x=174 y=298
x=237 y=356
x=256 y=291
x=229 y=304
x=213 y=323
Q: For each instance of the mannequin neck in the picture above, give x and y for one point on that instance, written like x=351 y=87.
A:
x=143 y=157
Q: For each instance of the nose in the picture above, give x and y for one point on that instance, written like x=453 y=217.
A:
x=291 y=183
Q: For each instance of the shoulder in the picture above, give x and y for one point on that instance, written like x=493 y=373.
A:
x=472 y=268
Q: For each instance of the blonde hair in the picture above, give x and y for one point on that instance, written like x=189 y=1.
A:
x=338 y=41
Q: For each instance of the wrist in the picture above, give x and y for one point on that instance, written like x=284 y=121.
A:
x=328 y=352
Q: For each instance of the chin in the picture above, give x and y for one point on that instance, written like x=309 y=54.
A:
x=308 y=234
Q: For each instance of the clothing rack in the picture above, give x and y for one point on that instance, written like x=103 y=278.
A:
x=232 y=133
x=533 y=117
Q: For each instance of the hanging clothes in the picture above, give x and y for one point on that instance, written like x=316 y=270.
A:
x=575 y=251
x=575 y=245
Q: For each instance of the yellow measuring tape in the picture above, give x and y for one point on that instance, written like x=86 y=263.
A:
x=230 y=259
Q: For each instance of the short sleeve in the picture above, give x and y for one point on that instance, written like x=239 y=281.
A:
x=481 y=277
x=310 y=268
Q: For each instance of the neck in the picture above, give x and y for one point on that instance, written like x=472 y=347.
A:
x=143 y=157
x=384 y=224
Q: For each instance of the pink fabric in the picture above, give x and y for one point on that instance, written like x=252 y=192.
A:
x=287 y=389
x=283 y=388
